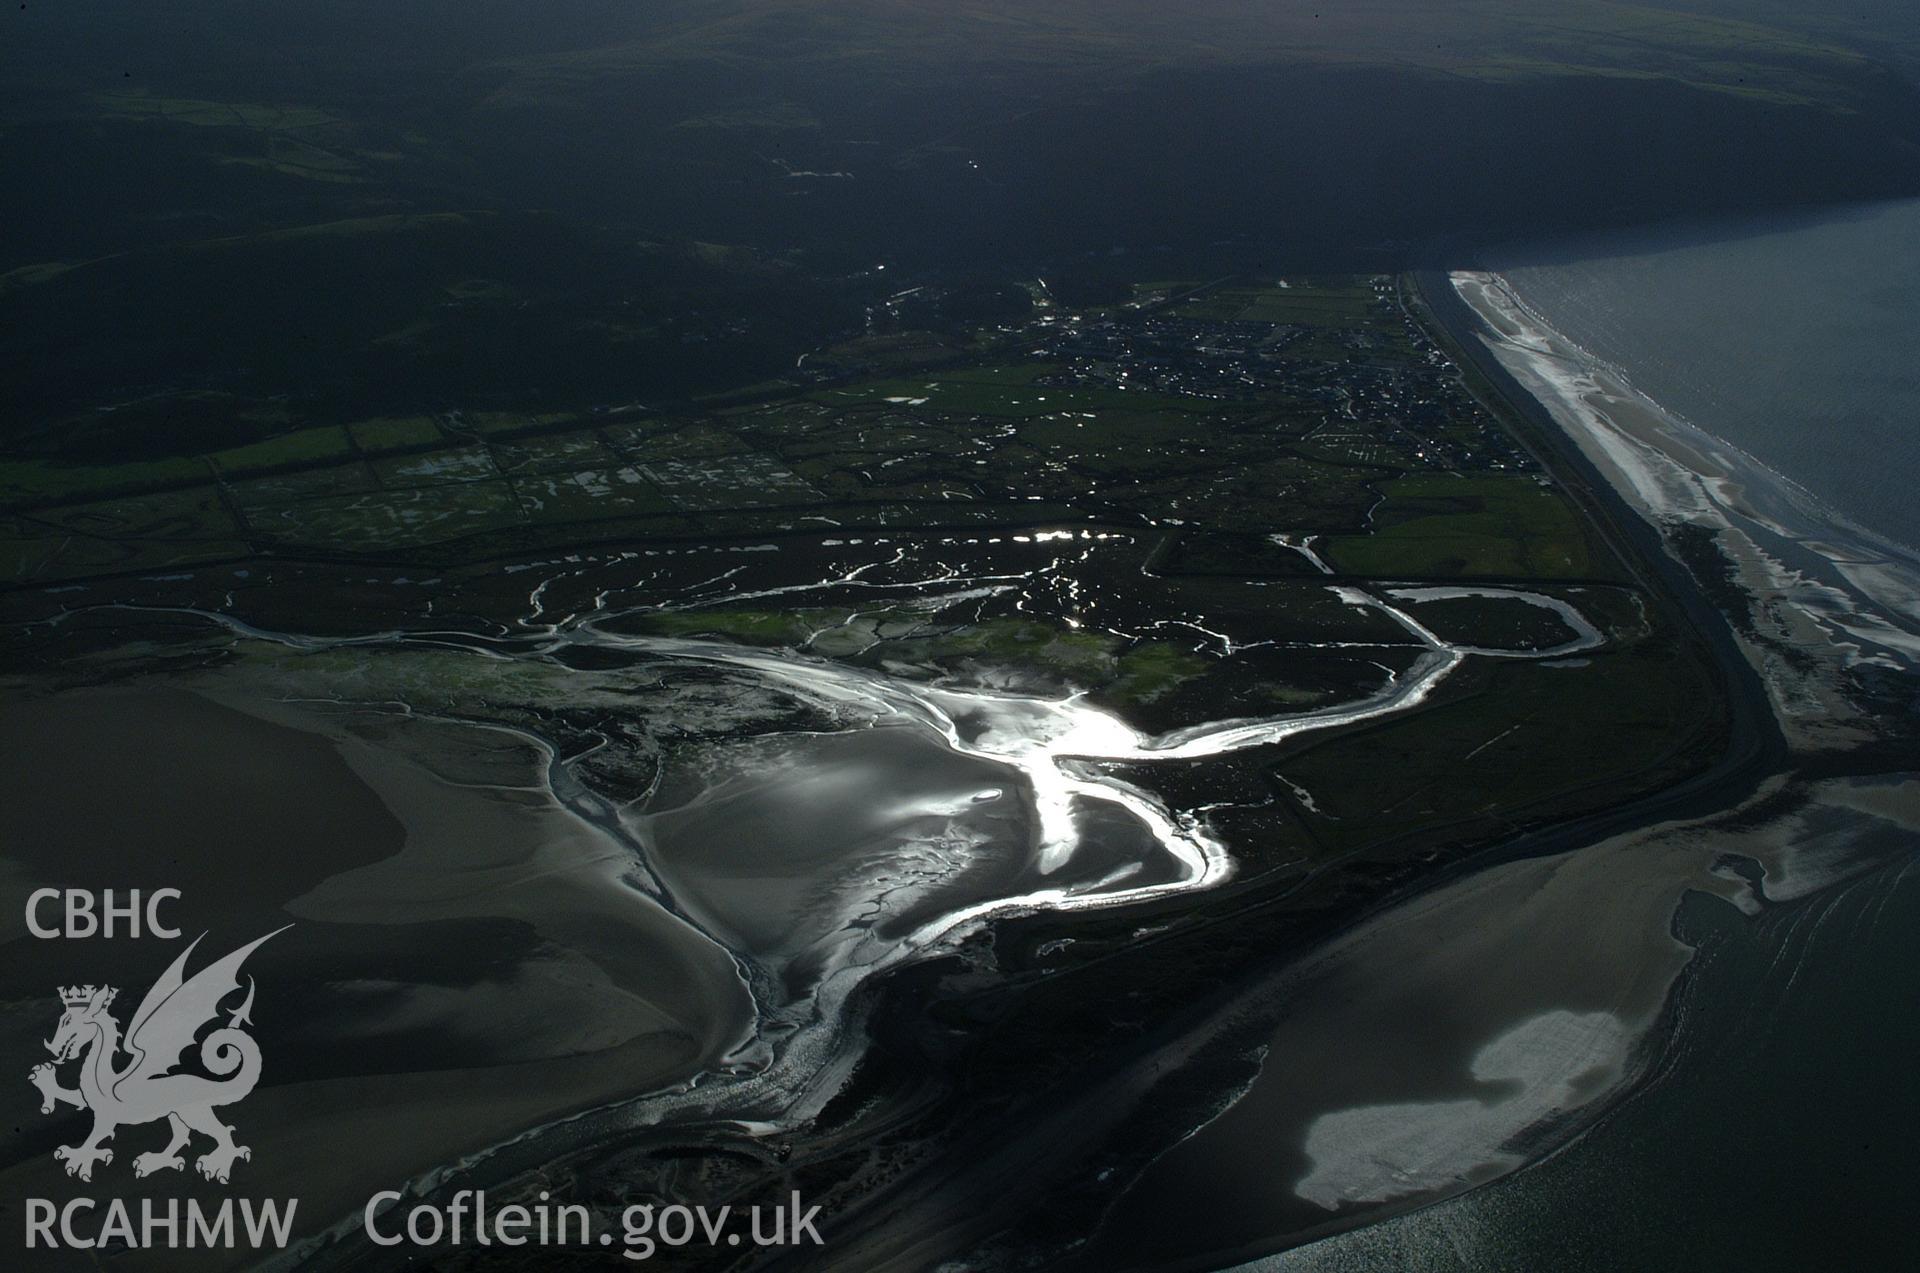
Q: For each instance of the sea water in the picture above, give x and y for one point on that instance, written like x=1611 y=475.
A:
x=1774 y=1134
x=1796 y=340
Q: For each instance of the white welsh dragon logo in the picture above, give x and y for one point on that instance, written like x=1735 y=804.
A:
x=162 y=1029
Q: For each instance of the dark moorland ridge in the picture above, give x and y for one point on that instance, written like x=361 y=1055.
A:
x=254 y=217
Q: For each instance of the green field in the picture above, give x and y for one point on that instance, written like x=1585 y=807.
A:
x=308 y=447
x=987 y=443
x=1445 y=527
x=1525 y=735
x=404 y=433
x=1122 y=672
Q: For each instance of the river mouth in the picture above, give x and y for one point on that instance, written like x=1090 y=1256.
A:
x=662 y=874
x=803 y=850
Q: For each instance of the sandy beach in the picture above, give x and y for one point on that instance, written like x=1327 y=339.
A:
x=467 y=959
x=1819 y=585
